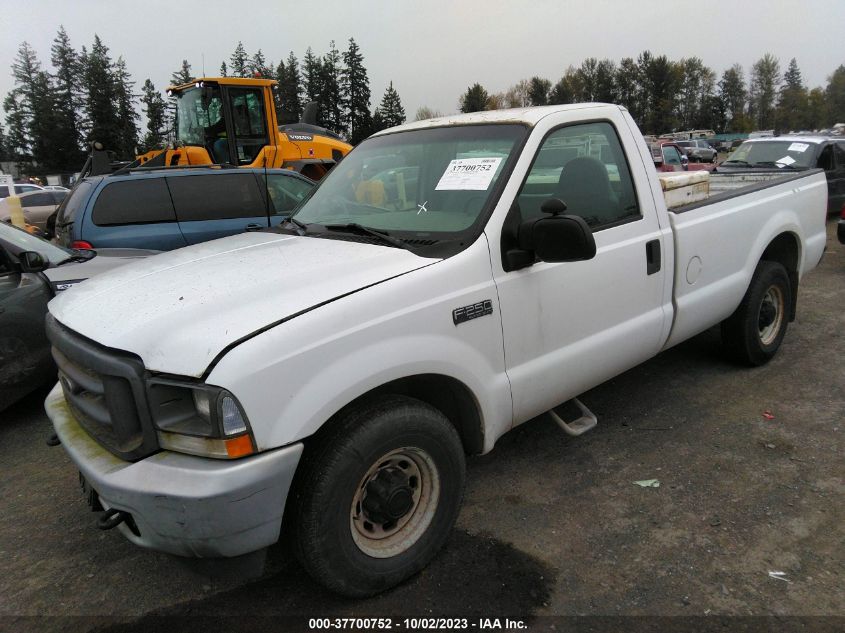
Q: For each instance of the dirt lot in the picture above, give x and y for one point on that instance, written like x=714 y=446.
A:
x=551 y=525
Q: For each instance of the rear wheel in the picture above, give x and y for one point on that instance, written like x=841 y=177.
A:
x=379 y=495
x=754 y=332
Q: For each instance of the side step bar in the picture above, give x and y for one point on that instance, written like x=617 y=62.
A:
x=578 y=426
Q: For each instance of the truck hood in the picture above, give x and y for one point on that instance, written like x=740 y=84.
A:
x=69 y=274
x=179 y=310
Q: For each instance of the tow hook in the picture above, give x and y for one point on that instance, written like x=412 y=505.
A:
x=111 y=518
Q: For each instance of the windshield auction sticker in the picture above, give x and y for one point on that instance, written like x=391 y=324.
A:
x=474 y=174
x=797 y=147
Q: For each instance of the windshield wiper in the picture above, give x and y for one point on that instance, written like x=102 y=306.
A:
x=354 y=227
x=744 y=162
x=771 y=163
x=303 y=227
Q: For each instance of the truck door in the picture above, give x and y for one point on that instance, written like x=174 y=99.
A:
x=570 y=326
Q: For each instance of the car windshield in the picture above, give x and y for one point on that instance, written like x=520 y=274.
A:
x=199 y=114
x=780 y=153
x=433 y=183
x=22 y=241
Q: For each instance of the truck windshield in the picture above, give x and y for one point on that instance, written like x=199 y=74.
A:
x=434 y=183
x=780 y=153
x=199 y=116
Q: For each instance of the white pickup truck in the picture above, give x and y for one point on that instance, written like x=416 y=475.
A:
x=449 y=280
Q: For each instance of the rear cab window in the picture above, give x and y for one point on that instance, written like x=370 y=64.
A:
x=141 y=201
x=217 y=196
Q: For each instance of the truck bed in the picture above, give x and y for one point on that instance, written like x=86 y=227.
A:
x=714 y=257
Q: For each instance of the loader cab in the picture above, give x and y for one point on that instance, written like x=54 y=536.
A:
x=230 y=122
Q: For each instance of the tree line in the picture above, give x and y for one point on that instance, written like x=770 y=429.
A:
x=53 y=114
x=664 y=95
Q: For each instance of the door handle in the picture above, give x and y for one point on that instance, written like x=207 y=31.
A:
x=652 y=257
x=254 y=227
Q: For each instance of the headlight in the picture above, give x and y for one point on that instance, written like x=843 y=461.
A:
x=199 y=419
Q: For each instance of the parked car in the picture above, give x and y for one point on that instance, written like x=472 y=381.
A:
x=19 y=189
x=794 y=153
x=170 y=208
x=698 y=150
x=668 y=157
x=332 y=373
x=37 y=206
x=33 y=271
x=56 y=188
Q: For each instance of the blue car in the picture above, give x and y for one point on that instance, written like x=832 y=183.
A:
x=170 y=208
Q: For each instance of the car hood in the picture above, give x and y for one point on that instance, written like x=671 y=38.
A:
x=180 y=309
x=68 y=275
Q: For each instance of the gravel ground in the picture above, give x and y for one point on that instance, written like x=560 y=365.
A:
x=551 y=526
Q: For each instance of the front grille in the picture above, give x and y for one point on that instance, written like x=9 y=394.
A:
x=105 y=390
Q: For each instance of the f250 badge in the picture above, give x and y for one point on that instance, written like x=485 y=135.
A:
x=468 y=313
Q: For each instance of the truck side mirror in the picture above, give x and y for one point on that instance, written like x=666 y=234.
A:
x=32 y=262
x=558 y=238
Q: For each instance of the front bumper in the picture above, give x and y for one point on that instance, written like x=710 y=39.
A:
x=181 y=504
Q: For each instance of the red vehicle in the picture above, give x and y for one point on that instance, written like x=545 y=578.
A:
x=668 y=156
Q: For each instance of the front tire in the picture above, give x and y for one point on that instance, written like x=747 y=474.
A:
x=754 y=332
x=379 y=495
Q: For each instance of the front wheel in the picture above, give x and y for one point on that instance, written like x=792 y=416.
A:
x=754 y=332
x=378 y=496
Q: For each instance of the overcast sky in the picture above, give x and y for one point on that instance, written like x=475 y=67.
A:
x=433 y=50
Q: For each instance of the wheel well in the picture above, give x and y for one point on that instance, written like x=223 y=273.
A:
x=784 y=250
x=448 y=395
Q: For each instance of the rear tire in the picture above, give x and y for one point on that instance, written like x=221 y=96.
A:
x=754 y=332
x=378 y=496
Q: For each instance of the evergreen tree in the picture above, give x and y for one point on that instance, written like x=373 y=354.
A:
x=331 y=107
x=290 y=90
x=474 y=99
x=587 y=76
x=67 y=101
x=733 y=95
x=183 y=75
x=567 y=89
x=312 y=66
x=100 y=97
x=538 y=91
x=17 y=143
x=126 y=114
x=155 y=109
x=239 y=61
x=223 y=69
x=765 y=77
x=695 y=87
x=355 y=91
x=3 y=155
x=391 y=110
x=378 y=123
x=258 y=67
x=817 y=109
x=793 y=100
x=659 y=79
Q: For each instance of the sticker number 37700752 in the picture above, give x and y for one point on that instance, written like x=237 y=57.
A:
x=474 y=174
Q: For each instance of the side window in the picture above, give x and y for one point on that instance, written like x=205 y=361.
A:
x=286 y=192
x=583 y=165
x=25 y=188
x=248 y=119
x=216 y=196
x=671 y=156
x=826 y=158
x=839 y=152
x=139 y=201
x=37 y=200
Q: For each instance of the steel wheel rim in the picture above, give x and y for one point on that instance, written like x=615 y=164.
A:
x=383 y=539
x=770 y=315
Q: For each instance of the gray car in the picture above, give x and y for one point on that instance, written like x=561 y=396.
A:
x=37 y=206
x=32 y=271
x=698 y=150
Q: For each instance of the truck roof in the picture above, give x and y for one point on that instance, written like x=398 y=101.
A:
x=529 y=116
